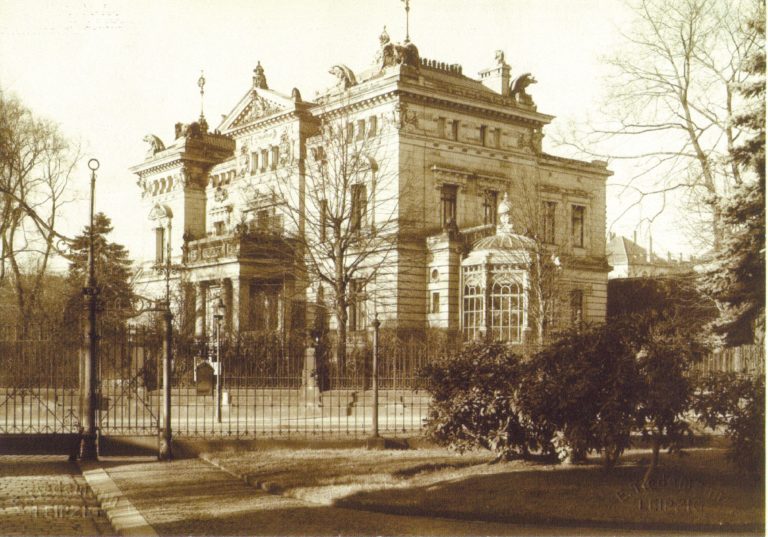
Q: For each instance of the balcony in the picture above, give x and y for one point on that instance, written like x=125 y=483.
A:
x=246 y=242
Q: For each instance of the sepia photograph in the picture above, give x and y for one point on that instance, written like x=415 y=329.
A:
x=382 y=267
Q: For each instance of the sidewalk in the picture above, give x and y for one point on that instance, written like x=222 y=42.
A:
x=45 y=495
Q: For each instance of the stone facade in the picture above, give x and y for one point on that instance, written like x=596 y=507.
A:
x=452 y=147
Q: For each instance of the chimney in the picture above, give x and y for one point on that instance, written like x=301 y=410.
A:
x=649 y=258
x=497 y=78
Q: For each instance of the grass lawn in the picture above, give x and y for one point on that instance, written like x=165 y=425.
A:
x=698 y=490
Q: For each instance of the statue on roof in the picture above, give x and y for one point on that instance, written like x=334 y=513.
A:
x=390 y=54
x=259 y=79
x=190 y=130
x=345 y=75
x=155 y=145
x=519 y=85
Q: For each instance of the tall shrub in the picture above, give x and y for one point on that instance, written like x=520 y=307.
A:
x=474 y=401
x=736 y=403
x=584 y=388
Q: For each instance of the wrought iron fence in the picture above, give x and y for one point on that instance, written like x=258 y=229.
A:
x=39 y=382
x=271 y=385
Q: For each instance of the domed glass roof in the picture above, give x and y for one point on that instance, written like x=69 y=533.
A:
x=505 y=246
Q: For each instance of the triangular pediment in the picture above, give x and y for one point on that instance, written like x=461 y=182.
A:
x=255 y=105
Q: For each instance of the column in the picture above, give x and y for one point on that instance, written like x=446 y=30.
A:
x=200 y=324
x=226 y=296
x=240 y=294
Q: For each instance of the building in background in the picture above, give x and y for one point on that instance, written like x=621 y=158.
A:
x=630 y=260
x=459 y=176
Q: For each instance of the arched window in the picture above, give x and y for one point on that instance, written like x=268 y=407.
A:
x=474 y=309
x=507 y=312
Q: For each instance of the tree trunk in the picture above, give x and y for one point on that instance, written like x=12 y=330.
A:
x=656 y=449
x=341 y=332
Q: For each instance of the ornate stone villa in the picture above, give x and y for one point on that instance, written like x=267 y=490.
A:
x=464 y=163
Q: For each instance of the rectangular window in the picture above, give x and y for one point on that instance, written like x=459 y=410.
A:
x=490 y=204
x=483 y=135
x=264 y=157
x=455 y=130
x=448 y=196
x=323 y=220
x=360 y=129
x=275 y=157
x=435 y=307
x=254 y=162
x=577 y=307
x=265 y=306
x=350 y=132
x=441 y=127
x=371 y=126
x=218 y=228
x=358 y=212
x=358 y=318
x=548 y=209
x=159 y=245
x=262 y=219
x=497 y=138
x=577 y=225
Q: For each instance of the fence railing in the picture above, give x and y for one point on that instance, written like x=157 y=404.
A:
x=268 y=387
x=749 y=359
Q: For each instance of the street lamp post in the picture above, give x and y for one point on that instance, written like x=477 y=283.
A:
x=219 y=316
x=166 y=452
x=375 y=378
x=88 y=442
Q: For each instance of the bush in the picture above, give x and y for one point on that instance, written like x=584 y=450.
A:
x=584 y=389
x=474 y=401
x=736 y=403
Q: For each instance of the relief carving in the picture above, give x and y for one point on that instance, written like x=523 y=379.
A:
x=260 y=107
x=285 y=154
x=220 y=195
x=404 y=118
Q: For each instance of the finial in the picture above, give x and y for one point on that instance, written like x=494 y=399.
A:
x=259 y=79
x=384 y=37
x=505 y=225
x=407 y=23
x=201 y=85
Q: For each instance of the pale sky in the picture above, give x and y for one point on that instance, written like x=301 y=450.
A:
x=109 y=72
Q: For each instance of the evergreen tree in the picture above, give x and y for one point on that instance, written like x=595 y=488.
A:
x=736 y=278
x=113 y=274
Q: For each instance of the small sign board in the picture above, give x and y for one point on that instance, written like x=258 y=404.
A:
x=204 y=378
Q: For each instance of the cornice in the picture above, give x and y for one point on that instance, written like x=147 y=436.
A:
x=595 y=167
x=463 y=177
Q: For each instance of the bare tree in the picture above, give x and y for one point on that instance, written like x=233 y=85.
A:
x=341 y=199
x=534 y=217
x=36 y=163
x=670 y=102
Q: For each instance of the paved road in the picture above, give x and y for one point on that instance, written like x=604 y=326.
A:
x=191 y=497
x=42 y=495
